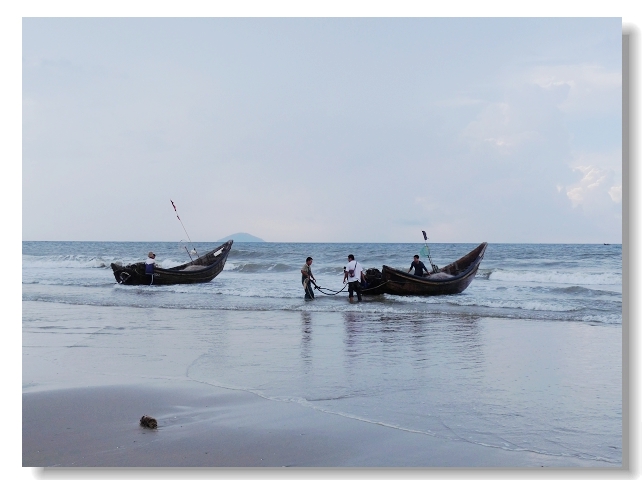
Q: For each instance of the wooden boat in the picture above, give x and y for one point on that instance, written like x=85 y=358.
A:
x=453 y=278
x=200 y=270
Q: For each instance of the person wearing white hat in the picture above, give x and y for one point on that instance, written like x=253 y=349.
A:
x=150 y=263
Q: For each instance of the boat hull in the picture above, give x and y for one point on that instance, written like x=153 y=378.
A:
x=202 y=270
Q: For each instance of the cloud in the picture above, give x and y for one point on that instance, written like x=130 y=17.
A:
x=527 y=117
x=592 y=89
x=616 y=193
x=598 y=189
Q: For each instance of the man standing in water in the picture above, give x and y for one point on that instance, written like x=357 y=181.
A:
x=418 y=266
x=306 y=279
x=353 y=273
x=150 y=263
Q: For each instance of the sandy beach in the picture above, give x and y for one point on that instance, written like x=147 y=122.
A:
x=204 y=426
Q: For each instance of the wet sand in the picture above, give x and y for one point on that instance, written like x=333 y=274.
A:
x=205 y=426
x=87 y=382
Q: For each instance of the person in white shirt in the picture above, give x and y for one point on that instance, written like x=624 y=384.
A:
x=150 y=263
x=353 y=274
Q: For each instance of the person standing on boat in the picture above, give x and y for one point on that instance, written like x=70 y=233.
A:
x=418 y=266
x=353 y=274
x=150 y=264
x=307 y=278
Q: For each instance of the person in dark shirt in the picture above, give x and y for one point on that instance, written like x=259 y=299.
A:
x=418 y=266
x=307 y=279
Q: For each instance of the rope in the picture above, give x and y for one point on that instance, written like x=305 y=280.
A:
x=190 y=240
x=380 y=285
x=316 y=287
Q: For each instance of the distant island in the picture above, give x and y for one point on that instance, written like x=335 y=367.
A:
x=241 y=237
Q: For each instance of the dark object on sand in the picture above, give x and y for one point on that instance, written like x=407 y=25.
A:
x=148 y=422
x=200 y=270
x=453 y=278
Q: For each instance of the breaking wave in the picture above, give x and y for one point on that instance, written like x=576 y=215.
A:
x=548 y=276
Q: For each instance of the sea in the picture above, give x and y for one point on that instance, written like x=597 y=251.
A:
x=528 y=358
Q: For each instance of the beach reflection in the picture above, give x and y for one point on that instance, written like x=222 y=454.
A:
x=306 y=339
x=422 y=334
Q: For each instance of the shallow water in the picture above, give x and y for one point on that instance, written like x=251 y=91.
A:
x=528 y=358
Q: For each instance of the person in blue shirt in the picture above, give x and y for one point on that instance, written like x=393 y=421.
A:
x=150 y=263
x=418 y=266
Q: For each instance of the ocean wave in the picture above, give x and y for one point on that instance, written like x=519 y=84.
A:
x=533 y=305
x=86 y=261
x=551 y=276
x=583 y=291
x=262 y=267
x=66 y=261
x=147 y=297
x=251 y=254
x=278 y=267
x=610 y=319
x=328 y=271
x=473 y=301
x=483 y=274
x=75 y=282
x=206 y=290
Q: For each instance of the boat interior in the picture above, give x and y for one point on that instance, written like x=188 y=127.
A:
x=203 y=262
x=460 y=266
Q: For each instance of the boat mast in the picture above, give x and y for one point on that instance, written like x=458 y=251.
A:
x=190 y=240
x=426 y=251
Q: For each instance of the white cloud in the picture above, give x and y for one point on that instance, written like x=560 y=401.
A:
x=528 y=116
x=592 y=89
x=537 y=104
x=596 y=190
x=616 y=193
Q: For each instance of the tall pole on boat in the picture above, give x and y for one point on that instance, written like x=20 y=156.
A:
x=190 y=240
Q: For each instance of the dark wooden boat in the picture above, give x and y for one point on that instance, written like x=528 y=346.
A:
x=200 y=270
x=453 y=278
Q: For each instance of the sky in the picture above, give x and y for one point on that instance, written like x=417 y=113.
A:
x=322 y=129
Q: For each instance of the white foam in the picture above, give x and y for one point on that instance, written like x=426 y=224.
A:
x=66 y=261
x=557 y=277
x=517 y=304
x=86 y=261
x=168 y=263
